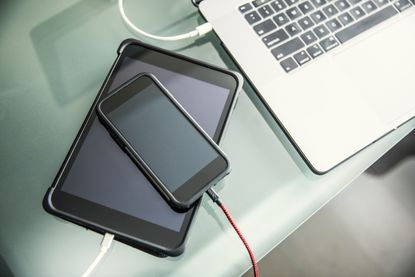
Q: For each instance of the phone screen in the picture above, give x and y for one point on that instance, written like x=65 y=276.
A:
x=161 y=134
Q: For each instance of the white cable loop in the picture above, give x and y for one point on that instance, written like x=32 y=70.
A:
x=198 y=32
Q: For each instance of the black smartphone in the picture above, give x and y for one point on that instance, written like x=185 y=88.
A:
x=176 y=154
x=99 y=187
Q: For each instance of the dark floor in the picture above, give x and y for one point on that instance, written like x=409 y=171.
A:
x=368 y=230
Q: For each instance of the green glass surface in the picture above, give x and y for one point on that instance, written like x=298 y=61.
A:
x=54 y=56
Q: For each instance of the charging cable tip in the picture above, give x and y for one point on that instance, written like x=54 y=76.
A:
x=105 y=245
x=204 y=29
x=214 y=196
x=106 y=241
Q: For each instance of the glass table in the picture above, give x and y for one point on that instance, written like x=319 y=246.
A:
x=54 y=57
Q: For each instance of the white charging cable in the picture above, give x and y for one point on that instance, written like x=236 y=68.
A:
x=198 y=32
x=105 y=245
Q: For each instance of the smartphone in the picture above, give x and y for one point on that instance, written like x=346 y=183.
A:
x=175 y=153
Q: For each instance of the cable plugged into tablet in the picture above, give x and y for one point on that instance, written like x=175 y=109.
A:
x=198 y=32
x=105 y=245
x=215 y=198
x=108 y=238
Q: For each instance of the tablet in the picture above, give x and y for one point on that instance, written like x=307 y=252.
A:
x=99 y=187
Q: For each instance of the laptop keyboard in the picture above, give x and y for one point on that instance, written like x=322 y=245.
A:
x=297 y=32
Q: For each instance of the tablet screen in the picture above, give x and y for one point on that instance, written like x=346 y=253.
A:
x=102 y=173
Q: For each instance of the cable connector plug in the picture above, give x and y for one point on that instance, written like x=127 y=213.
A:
x=204 y=29
x=106 y=242
x=105 y=245
x=214 y=196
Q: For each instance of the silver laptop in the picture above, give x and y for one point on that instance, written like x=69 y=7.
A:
x=337 y=74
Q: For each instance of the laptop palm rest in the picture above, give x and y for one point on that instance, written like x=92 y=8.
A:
x=356 y=93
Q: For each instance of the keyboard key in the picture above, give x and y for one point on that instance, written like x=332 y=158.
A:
x=319 y=3
x=314 y=51
x=293 y=13
x=252 y=17
x=258 y=3
x=308 y=37
x=278 y=5
x=265 y=11
x=281 y=19
x=288 y=64
x=293 y=29
x=380 y=3
x=306 y=7
x=321 y=31
x=354 y=2
x=265 y=27
x=291 y=2
x=369 y=6
x=330 y=11
x=318 y=17
x=342 y=5
x=402 y=5
x=345 y=19
x=245 y=8
x=287 y=48
x=357 y=12
x=333 y=25
x=305 y=23
x=302 y=57
x=365 y=24
x=329 y=43
x=275 y=38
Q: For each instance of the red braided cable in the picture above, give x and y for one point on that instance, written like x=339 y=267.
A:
x=251 y=254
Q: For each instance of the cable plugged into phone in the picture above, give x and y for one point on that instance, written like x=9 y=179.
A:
x=198 y=32
x=215 y=198
x=105 y=245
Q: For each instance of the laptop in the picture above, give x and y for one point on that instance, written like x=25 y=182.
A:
x=336 y=74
